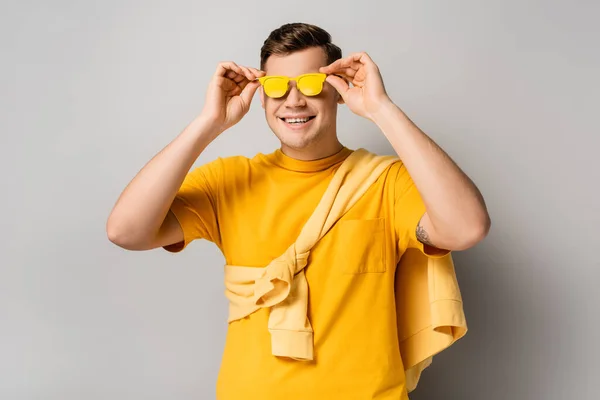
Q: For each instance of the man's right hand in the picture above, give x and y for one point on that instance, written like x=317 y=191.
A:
x=140 y=219
x=230 y=93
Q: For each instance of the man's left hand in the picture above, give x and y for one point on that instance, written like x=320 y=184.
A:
x=367 y=94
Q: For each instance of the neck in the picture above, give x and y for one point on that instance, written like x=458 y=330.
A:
x=315 y=151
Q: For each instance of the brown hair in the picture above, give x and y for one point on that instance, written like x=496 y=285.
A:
x=295 y=37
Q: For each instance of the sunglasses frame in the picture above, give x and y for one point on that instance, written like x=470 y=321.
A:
x=296 y=79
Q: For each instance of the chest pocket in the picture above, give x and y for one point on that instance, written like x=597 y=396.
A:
x=361 y=247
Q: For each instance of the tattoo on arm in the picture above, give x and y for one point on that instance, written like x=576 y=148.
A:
x=423 y=236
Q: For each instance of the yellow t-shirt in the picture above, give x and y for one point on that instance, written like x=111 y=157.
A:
x=253 y=209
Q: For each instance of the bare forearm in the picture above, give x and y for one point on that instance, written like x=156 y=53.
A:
x=454 y=205
x=142 y=207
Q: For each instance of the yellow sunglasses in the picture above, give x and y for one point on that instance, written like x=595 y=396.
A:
x=307 y=84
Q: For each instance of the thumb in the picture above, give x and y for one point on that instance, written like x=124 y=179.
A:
x=339 y=84
x=248 y=92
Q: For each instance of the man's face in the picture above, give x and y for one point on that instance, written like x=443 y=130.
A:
x=322 y=108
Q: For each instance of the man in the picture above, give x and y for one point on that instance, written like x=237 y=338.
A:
x=254 y=209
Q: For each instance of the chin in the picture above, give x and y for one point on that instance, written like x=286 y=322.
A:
x=297 y=141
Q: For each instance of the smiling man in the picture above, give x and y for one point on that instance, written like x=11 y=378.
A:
x=305 y=124
x=312 y=232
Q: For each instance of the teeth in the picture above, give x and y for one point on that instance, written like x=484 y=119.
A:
x=296 y=120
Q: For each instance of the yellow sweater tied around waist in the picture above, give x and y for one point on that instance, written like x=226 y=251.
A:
x=429 y=320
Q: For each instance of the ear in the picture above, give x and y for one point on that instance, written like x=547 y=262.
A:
x=262 y=96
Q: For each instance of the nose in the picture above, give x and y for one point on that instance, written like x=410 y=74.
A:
x=294 y=97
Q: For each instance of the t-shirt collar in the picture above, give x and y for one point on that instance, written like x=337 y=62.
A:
x=292 y=164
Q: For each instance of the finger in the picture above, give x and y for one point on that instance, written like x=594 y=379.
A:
x=339 y=84
x=351 y=64
x=347 y=72
x=362 y=57
x=234 y=76
x=239 y=74
x=342 y=65
x=230 y=70
x=257 y=73
x=354 y=61
x=248 y=92
x=228 y=85
x=223 y=68
x=331 y=67
x=243 y=84
x=248 y=74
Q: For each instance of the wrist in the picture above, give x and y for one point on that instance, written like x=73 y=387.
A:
x=384 y=112
x=206 y=127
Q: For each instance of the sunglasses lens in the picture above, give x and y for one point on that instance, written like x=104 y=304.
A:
x=275 y=87
x=311 y=85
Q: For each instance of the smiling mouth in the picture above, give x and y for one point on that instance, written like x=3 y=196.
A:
x=297 y=121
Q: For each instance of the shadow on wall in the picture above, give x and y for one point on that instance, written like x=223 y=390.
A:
x=518 y=301
x=502 y=356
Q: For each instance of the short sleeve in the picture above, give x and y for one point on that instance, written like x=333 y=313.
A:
x=409 y=208
x=195 y=206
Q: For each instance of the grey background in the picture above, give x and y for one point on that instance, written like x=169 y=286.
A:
x=90 y=91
